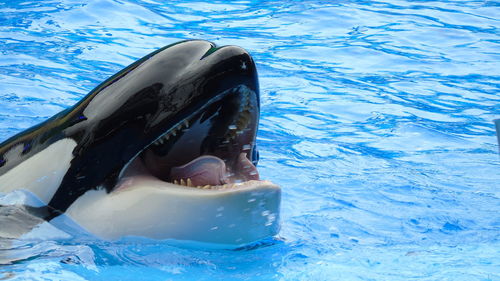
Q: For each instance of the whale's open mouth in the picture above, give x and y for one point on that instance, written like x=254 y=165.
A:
x=211 y=149
x=199 y=176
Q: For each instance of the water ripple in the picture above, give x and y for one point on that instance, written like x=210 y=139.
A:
x=376 y=120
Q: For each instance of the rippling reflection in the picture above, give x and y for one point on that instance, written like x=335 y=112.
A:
x=376 y=120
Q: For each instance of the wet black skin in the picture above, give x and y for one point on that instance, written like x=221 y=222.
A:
x=116 y=121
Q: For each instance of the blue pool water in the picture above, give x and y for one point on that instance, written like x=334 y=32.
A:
x=376 y=121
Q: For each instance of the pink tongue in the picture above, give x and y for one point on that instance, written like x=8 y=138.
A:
x=202 y=171
x=210 y=170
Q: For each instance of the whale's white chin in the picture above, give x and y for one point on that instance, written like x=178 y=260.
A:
x=148 y=207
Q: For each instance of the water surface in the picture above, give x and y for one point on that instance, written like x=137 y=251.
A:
x=376 y=121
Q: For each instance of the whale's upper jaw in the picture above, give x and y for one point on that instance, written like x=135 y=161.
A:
x=212 y=147
x=209 y=141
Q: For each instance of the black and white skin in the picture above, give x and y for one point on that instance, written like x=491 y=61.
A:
x=164 y=149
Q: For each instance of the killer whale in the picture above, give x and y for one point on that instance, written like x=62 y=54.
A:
x=163 y=149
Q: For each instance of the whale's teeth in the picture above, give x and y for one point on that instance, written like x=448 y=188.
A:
x=183 y=182
x=206 y=187
x=186 y=123
x=176 y=182
x=189 y=182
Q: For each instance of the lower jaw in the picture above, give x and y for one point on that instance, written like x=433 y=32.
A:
x=148 y=207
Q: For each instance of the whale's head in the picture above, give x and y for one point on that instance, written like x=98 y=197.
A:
x=166 y=149
x=199 y=129
x=163 y=149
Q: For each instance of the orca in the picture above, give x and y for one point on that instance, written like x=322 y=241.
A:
x=164 y=149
